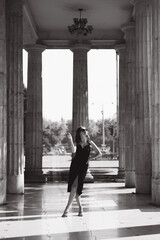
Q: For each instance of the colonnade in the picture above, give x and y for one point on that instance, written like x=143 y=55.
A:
x=139 y=112
x=12 y=160
x=139 y=100
x=33 y=163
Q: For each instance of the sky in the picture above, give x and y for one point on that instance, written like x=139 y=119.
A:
x=57 y=75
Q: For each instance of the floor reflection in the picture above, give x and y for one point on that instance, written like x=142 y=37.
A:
x=111 y=211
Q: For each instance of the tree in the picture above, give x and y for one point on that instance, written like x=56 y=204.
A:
x=95 y=131
x=46 y=145
x=110 y=128
x=59 y=130
x=55 y=132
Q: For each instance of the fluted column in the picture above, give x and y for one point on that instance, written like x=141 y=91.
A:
x=142 y=107
x=80 y=92
x=34 y=148
x=3 y=103
x=129 y=30
x=14 y=31
x=121 y=52
x=80 y=86
x=156 y=102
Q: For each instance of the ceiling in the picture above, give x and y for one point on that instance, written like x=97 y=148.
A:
x=47 y=21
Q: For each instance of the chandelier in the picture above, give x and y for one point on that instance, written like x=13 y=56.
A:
x=79 y=27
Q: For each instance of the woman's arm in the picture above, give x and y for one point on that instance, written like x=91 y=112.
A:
x=71 y=144
x=96 y=149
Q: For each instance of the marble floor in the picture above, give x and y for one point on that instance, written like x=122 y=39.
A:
x=111 y=211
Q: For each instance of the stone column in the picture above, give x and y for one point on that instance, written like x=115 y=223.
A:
x=15 y=92
x=80 y=92
x=129 y=30
x=34 y=148
x=121 y=52
x=80 y=86
x=155 y=102
x=142 y=107
x=3 y=103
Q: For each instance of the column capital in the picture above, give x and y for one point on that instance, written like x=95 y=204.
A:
x=120 y=47
x=80 y=46
x=34 y=47
x=139 y=5
x=128 y=29
x=128 y=26
x=135 y=2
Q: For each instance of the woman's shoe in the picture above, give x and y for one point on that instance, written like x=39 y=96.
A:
x=65 y=214
x=80 y=213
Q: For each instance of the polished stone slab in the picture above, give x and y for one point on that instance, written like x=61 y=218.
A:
x=111 y=211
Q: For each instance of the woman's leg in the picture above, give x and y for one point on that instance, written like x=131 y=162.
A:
x=71 y=197
x=78 y=199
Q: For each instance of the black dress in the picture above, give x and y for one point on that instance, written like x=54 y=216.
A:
x=79 y=167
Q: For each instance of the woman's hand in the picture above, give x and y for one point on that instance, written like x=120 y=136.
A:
x=69 y=136
x=88 y=138
x=96 y=149
x=71 y=144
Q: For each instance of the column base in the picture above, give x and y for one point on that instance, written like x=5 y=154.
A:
x=35 y=176
x=130 y=179
x=143 y=184
x=121 y=173
x=156 y=191
x=15 y=184
x=89 y=177
x=3 y=186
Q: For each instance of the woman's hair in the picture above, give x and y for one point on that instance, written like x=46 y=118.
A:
x=78 y=137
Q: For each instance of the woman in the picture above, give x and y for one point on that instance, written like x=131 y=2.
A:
x=79 y=166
